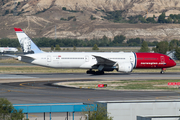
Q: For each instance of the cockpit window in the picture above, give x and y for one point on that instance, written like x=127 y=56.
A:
x=170 y=58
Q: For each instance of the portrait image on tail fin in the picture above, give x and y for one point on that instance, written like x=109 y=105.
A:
x=26 y=45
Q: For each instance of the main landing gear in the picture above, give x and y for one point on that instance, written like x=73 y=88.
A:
x=95 y=72
x=162 y=70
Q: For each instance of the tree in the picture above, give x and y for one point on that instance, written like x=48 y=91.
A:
x=74 y=19
x=64 y=8
x=175 y=20
x=173 y=44
x=6 y=12
x=71 y=17
x=92 y=17
x=144 y=47
x=151 y=20
x=57 y=47
x=74 y=47
x=161 y=18
x=169 y=20
x=142 y=19
x=177 y=54
x=52 y=47
x=104 y=41
x=171 y=16
x=134 y=41
x=19 y=3
x=63 y=19
x=97 y=113
x=8 y=112
x=162 y=47
x=95 y=47
x=119 y=39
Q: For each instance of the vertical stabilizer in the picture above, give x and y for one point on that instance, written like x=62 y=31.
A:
x=26 y=43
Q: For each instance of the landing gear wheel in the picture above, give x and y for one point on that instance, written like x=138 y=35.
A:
x=95 y=72
x=90 y=72
x=162 y=71
x=102 y=72
x=87 y=72
x=99 y=72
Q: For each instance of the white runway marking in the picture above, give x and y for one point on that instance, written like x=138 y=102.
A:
x=10 y=76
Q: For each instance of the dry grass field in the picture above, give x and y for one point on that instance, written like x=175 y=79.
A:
x=125 y=85
x=101 y=49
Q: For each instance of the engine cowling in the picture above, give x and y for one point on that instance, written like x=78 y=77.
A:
x=125 y=67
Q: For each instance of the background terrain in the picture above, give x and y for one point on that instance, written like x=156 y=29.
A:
x=74 y=18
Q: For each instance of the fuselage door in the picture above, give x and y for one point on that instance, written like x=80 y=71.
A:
x=162 y=59
x=87 y=58
x=48 y=58
x=131 y=59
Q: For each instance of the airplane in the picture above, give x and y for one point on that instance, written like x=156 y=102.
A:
x=8 y=49
x=95 y=62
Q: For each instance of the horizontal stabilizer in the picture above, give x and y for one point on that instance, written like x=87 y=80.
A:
x=13 y=56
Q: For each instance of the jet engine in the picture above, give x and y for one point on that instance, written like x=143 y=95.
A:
x=125 y=67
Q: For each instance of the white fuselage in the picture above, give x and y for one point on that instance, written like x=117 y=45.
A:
x=77 y=59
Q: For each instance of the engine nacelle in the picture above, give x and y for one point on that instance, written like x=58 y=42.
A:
x=125 y=67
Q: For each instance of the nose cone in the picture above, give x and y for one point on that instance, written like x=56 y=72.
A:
x=173 y=63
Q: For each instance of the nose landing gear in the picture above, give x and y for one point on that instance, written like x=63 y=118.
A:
x=162 y=70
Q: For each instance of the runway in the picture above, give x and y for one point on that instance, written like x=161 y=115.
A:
x=36 y=88
x=80 y=76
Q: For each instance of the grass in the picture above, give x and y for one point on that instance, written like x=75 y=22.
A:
x=11 y=61
x=15 y=66
x=173 y=69
x=37 y=69
x=128 y=84
x=101 y=49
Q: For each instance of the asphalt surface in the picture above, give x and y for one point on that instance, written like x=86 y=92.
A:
x=37 y=88
x=81 y=76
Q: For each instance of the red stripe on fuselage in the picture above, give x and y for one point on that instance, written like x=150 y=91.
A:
x=153 y=60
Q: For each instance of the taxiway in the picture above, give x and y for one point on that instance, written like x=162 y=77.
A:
x=37 y=88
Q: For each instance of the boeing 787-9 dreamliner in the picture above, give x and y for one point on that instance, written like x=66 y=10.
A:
x=94 y=62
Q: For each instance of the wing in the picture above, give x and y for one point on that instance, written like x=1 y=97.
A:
x=104 y=61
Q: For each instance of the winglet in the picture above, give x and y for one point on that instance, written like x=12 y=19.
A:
x=26 y=43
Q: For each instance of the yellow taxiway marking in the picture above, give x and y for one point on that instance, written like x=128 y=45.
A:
x=30 y=83
x=168 y=97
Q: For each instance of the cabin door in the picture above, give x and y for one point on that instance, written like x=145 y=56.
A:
x=87 y=58
x=48 y=58
x=162 y=59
